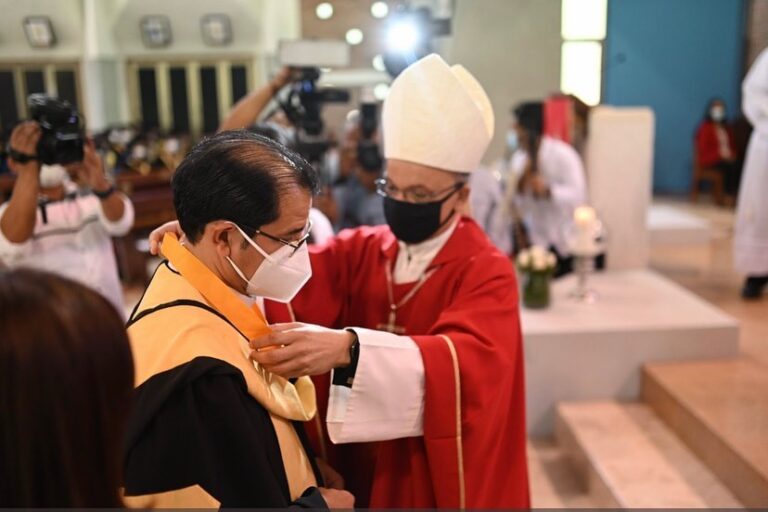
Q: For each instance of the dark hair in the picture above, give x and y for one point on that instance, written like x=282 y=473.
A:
x=237 y=176
x=275 y=132
x=66 y=386
x=530 y=116
x=707 y=111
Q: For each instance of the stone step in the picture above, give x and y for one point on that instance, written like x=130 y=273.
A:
x=553 y=482
x=626 y=457
x=720 y=410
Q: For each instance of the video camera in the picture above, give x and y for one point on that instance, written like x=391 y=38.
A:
x=304 y=103
x=303 y=108
x=62 y=138
x=368 y=153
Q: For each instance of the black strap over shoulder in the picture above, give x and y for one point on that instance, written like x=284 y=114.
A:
x=181 y=302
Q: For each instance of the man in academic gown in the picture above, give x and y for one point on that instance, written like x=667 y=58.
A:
x=210 y=428
x=431 y=388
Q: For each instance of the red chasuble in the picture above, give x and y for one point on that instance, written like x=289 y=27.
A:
x=466 y=322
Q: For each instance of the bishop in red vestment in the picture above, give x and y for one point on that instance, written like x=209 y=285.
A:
x=428 y=408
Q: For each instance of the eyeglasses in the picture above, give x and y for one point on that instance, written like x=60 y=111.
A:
x=385 y=188
x=296 y=244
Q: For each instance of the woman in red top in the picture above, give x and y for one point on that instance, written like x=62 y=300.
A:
x=715 y=148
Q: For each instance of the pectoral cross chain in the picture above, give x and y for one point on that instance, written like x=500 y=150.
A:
x=391 y=325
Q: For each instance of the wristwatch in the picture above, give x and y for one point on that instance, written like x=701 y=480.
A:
x=345 y=376
x=104 y=194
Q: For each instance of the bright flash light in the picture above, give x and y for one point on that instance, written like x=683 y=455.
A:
x=403 y=36
x=378 y=63
x=380 y=91
x=324 y=11
x=354 y=36
x=379 y=9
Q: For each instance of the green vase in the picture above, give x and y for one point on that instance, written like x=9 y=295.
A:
x=536 y=290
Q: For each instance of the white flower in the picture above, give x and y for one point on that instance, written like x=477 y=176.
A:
x=524 y=259
x=551 y=260
x=539 y=251
x=540 y=262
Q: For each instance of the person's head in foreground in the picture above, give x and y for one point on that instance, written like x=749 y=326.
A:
x=66 y=383
x=243 y=203
x=437 y=123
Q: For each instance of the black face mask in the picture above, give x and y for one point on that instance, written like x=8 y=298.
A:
x=415 y=222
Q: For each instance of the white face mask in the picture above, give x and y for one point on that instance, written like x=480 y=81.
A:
x=717 y=113
x=52 y=175
x=280 y=276
x=513 y=144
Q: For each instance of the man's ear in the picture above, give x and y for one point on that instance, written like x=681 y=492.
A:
x=221 y=234
x=464 y=193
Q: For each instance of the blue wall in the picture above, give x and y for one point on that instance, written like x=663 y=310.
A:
x=674 y=55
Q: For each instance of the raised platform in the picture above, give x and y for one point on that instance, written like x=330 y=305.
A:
x=625 y=457
x=576 y=351
x=720 y=410
x=668 y=225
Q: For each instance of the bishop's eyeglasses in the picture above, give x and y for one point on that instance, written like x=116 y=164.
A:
x=386 y=188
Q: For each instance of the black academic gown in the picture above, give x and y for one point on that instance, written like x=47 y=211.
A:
x=196 y=425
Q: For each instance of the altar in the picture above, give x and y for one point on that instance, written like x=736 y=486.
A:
x=672 y=226
x=577 y=351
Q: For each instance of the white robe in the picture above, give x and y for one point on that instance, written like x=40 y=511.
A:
x=751 y=229
x=561 y=168
x=487 y=201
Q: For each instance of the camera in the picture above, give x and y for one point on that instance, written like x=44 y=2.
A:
x=303 y=108
x=304 y=103
x=368 y=153
x=62 y=138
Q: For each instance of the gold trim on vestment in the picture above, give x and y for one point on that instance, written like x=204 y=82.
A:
x=459 y=447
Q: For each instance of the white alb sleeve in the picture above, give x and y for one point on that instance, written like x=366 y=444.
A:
x=386 y=400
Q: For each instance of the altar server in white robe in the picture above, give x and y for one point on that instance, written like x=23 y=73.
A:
x=548 y=182
x=751 y=231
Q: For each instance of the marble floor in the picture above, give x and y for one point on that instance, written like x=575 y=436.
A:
x=707 y=270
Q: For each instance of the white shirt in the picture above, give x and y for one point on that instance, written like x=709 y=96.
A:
x=386 y=400
x=74 y=242
x=486 y=196
x=548 y=219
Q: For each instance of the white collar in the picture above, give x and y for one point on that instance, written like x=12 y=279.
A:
x=413 y=259
x=431 y=246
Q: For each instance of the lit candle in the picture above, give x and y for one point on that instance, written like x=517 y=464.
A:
x=585 y=216
x=585 y=219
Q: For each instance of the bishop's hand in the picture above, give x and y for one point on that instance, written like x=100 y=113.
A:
x=156 y=237
x=297 y=350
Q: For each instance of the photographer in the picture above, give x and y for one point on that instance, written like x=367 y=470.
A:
x=244 y=115
x=49 y=224
x=358 y=202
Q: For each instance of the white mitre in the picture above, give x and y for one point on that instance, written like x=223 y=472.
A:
x=437 y=115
